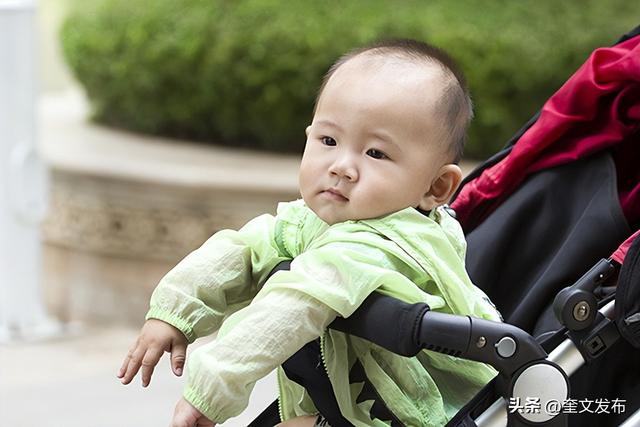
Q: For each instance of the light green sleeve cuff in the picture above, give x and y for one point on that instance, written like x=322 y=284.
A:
x=191 y=396
x=174 y=320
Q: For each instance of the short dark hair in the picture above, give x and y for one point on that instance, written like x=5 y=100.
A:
x=455 y=103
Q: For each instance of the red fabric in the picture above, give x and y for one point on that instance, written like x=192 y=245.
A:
x=621 y=252
x=598 y=107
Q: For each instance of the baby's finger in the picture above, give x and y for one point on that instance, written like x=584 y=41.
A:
x=134 y=365
x=178 y=356
x=125 y=363
x=123 y=368
x=149 y=361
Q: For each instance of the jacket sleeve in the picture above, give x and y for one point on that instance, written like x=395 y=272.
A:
x=251 y=343
x=216 y=279
x=293 y=308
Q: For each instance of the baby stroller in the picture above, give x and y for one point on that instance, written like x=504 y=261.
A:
x=561 y=199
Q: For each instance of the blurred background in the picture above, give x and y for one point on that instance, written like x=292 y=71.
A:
x=131 y=130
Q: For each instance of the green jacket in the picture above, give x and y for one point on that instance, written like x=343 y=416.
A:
x=405 y=254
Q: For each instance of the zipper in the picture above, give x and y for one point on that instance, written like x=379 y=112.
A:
x=280 y=395
x=324 y=362
x=281 y=402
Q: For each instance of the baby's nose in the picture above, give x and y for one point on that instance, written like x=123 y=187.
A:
x=344 y=169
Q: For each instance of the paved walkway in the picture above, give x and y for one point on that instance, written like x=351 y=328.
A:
x=71 y=381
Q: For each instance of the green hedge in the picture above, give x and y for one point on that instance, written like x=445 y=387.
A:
x=245 y=72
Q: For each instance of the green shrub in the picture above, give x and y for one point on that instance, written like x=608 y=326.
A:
x=245 y=72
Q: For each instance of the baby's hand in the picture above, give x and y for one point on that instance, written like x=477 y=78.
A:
x=185 y=415
x=155 y=338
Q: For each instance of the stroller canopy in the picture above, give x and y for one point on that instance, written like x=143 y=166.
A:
x=598 y=108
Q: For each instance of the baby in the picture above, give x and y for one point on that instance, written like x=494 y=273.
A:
x=379 y=164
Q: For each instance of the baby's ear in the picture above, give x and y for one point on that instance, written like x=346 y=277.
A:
x=307 y=130
x=442 y=187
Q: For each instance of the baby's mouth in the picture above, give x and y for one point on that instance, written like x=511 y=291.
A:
x=335 y=194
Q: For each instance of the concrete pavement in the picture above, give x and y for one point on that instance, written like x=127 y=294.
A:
x=70 y=381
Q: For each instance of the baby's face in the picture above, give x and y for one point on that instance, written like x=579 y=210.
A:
x=372 y=148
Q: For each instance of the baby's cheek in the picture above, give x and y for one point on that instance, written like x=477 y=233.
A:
x=379 y=204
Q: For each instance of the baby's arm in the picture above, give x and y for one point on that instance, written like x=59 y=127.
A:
x=193 y=298
x=251 y=343
x=155 y=338
x=216 y=279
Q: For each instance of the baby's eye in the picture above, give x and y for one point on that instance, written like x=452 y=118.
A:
x=376 y=154
x=327 y=140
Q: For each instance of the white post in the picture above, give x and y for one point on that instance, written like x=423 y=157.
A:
x=23 y=178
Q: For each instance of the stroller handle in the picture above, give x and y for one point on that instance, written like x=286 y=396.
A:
x=505 y=347
x=407 y=329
